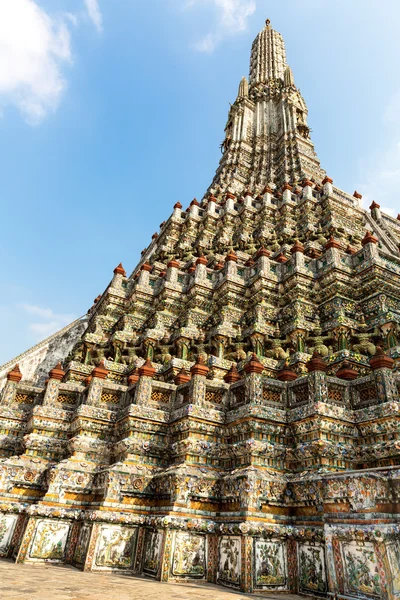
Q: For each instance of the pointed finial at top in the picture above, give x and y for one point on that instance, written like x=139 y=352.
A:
x=268 y=22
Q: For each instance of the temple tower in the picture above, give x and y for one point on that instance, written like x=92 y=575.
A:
x=267 y=139
x=230 y=410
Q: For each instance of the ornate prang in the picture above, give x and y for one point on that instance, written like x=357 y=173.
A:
x=229 y=412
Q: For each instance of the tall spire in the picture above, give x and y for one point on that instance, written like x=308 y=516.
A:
x=267 y=138
x=268 y=56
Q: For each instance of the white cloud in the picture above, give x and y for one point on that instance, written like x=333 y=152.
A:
x=50 y=321
x=33 y=48
x=232 y=18
x=93 y=9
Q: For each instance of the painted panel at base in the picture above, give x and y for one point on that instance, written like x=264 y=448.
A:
x=7 y=527
x=152 y=552
x=361 y=574
x=189 y=555
x=393 y=554
x=82 y=545
x=270 y=564
x=312 y=573
x=115 y=548
x=50 y=540
x=229 y=561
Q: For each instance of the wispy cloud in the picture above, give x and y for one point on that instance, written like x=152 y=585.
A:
x=232 y=17
x=382 y=168
x=49 y=321
x=93 y=10
x=35 y=48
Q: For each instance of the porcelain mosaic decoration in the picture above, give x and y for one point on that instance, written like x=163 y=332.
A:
x=230 y=411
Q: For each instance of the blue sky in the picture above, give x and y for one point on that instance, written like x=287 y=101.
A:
x=113 y=110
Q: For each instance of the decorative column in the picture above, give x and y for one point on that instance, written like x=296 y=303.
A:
x=211 y=205
x=286 y=193
x=230 y=201
x=194 y=208
x=96 y=385
x=375 y=211
x=328 y=188
x=201 y=269
x=267 y=195
x=197 y=388
x=263 y=262
x=358 y=197
x=369 y=243
x=143 y=388
x=253 y=380
x=13 y=378
x=56 y=376
x=297 y=252
x=144 y=276
x=382 y=366
x=332 y=251
x=231 y=264
x=246 y=582
x=172 y=271
x=119 y=276
x=317 y=386
x=248 y=199
x=177 y=214
x=307 y=189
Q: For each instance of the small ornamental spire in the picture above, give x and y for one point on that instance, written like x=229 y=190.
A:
x=298 y=247
x=120 y=270
x=374 y=205
x=369 y=239
x=178 y=205
x=281 y=258
x=147 y=369
x=100 y=372
x=380 y=360
x=173 y=264
x=133 y=377
x=254 y=365
x=332 y=243
x=231 y=256
x=201 y=260
x=15 y=374
x=357 y=195
x=200 y=368
x=262 y=252
x=286 y=374
x=232 y=375
x=346 y=372
x=243 y=88
x=316 y=363
x=288 y=77
x=182 y=377
x=57 y=372
x=146 y=267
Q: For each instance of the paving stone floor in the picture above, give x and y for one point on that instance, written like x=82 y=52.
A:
x=49 y=582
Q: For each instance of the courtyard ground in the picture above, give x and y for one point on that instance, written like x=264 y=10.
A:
x=49 y=582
